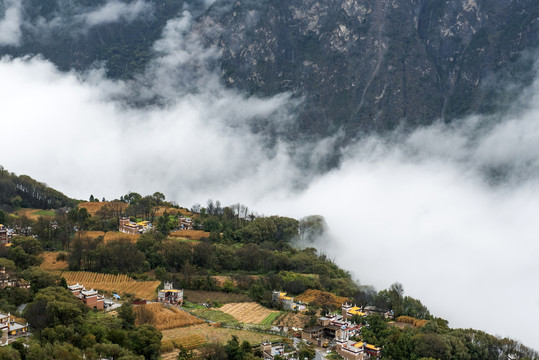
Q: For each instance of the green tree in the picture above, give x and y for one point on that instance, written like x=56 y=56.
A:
x=40 y=279
x=431 y=345
x=158 y=197
x=132 y=198
x=8 y=264
x=185 y=354
x=9 y=353
x=256 y=292
x=233 y=350
x=214 y=351
x=396 y=292
x=54 y=306
x=375 y=329
x=25 y=252
x=146 y=340
x=111 y=351
x=125 y=312
x=16 y=202
x=306 y=351
x=3 y=217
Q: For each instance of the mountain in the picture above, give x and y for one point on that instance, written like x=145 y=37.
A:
x=360 y=65
x=372 y=65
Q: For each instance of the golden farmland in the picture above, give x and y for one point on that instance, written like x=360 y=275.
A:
x=248 y=312
x=121 y=284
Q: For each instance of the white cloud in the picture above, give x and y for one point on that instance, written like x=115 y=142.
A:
x=114 y=11
x=422 y=209
x=10 y=23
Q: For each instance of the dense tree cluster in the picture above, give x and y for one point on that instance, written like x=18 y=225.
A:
x=188 y=265
x=436 y=340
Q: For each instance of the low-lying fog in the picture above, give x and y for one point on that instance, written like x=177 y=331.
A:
x=450 y=212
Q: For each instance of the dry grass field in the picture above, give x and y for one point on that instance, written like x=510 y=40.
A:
x=187 y=213
x=94 y=207
x=293 y=320
x=34 y=214
x=109 y=235
x=116 y=235
x=160 y=210
x=50 y=263
x=121 y=284
x=248 y=312
x=412 y=321
x=200 y=296
x=321 y=298
x=217 y=334
x=163 y=317
x=188 y=341
x=90 y=234
x=190 y=234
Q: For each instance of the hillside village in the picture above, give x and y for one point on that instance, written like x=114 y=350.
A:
x=145 y=278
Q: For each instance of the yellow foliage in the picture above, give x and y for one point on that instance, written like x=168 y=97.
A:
x=321 y=298
x=412 y=321
x=167 y=346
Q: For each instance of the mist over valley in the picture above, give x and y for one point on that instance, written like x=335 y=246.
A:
x=418 y=145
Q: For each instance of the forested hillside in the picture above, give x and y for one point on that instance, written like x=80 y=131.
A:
x=231 y=255
x=23 y=191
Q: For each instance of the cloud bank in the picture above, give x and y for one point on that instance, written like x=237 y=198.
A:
x=448 y=211
x=10 y=23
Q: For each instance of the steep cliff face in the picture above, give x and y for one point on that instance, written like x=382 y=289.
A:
x=359 y=65
x=370 y=65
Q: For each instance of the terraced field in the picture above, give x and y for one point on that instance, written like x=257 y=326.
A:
x=121 y=284
x=215 y=316
x=270 y=319
x=248 y=312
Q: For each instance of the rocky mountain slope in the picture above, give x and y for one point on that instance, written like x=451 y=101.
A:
x=367 y=65
x=360 y=65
